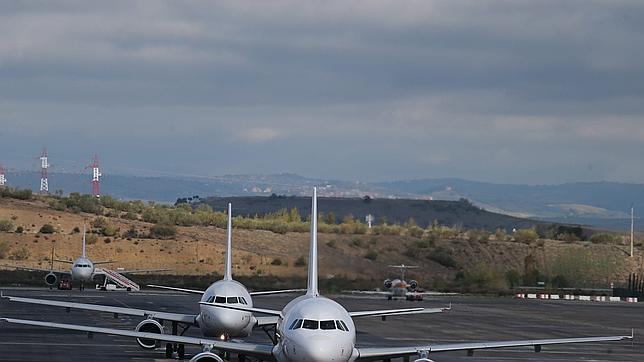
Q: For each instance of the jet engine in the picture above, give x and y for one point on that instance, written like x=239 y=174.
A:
x=388 y=284
x=148 y=326
x=206 y=357
x=413 y=284
x=51 y=279
x=423 y=360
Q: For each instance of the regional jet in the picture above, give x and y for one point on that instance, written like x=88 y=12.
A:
x=312 y=328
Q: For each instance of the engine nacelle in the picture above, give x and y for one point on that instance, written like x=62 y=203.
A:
x=51 y=279
x=413 y=284
x=206 y=357
x=148 y=326
x=388 y=284
x=423 y=360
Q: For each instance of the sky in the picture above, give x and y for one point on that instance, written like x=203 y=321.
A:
x=504 y=91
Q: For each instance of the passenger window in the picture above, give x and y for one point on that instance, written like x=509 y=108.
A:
x=327 y=324
x=220 y=299
x=232 y=300
x=310 y=324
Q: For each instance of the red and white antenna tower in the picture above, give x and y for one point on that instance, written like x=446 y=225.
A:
x=44 y=165
x=96 y=174
x=3 y=179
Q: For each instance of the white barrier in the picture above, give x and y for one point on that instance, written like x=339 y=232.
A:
x=584 y=297
x=543 y=296
x=554 y=296
x=631 y=300
x=531 y=296
x=615 y=299
x=600 y=298
x=520 y=296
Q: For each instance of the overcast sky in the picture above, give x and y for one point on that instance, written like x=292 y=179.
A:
x=503 y=91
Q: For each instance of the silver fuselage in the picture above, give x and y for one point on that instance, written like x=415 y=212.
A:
x=82 y=270
x=226 y=323
x=304 y=344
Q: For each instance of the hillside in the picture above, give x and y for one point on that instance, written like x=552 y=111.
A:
x=452 y=262
x=424 y=212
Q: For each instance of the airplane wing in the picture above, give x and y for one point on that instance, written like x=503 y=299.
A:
x=259 y=350
x=175 y=317
x=373 y=353
x=390 y=312
x=35 y=269
x=193 y=291
x=139 y=271
x=104 y=262
x=64 y=261
x=367 y=292
x=269 y=292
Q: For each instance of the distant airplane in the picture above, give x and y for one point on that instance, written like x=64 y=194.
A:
x=83 y=269
x=397 y=288
x=313 y=328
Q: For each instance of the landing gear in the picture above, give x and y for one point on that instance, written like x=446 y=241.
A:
x=241 y=358
x=168 y=350
x=181 y=351
x=81 y=287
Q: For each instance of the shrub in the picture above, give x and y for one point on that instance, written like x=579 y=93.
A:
x=443 y=257
x=478 y=235
x=415 y=231
x=99 y=222
x=300 y=262
x=4 y=249
x=603 y=238
x=20 y=254
x=91 y=239
x=129 y=216
x=163 y=231
x=6 y=225
x=20 y=230
x=357 y=243
x=371 y=255
x=527 y=236
x=331 y=244
x=109 y=230
x=276 y=261
x=47 y=229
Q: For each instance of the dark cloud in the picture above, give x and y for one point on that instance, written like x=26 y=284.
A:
x=504 y=91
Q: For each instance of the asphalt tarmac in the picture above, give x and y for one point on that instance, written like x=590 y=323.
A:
x=471 y=319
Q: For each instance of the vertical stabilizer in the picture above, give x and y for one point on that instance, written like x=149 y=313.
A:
x=228 y=272
x=83 y=240
x=312 y=286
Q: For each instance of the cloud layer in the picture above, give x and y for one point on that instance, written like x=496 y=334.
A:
x=530 y=92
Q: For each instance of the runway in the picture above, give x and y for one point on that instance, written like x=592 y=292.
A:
x=471 y=319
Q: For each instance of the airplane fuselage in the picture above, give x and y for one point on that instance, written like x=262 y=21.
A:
x=82 y=270
x=315 y=329
x=226 y=323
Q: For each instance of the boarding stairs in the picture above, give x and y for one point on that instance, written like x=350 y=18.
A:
x=120 y=280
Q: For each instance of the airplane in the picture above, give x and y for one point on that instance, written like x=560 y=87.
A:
x=83 y=269
x=313 y=328
x=398 y=287
x=223 y=324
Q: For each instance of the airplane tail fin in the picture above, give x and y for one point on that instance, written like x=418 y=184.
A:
x=312 y=286
x=228 y=272
x=84 y=240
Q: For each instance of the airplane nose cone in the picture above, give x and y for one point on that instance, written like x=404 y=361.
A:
x=320 y=350
x=217 y=321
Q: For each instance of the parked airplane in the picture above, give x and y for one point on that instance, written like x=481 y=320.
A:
x=398 y=287
x=313 y=328
x=213 y=322
x=83 y=270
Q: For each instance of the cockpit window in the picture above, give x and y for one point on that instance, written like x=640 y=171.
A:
x=327 y=324
x=310 y=324
x=343 y=325
x=242 y=300
x=296 y=324
x=219 y=299
x=211 y=299
x=231 y=300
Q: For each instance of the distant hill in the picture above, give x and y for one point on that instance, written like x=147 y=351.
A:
x=599 y=204
x=447 y=213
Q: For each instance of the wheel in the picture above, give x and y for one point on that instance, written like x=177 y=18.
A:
x=241 y=358
x=181 y=351
x=168 y=350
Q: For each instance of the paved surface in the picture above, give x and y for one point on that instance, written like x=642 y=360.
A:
x=472 y=319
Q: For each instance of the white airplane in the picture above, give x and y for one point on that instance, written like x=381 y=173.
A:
x=313 y=328
x=398 y=287
x=83 y=269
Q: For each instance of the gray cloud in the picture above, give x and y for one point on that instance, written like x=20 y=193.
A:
x=518 y=91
